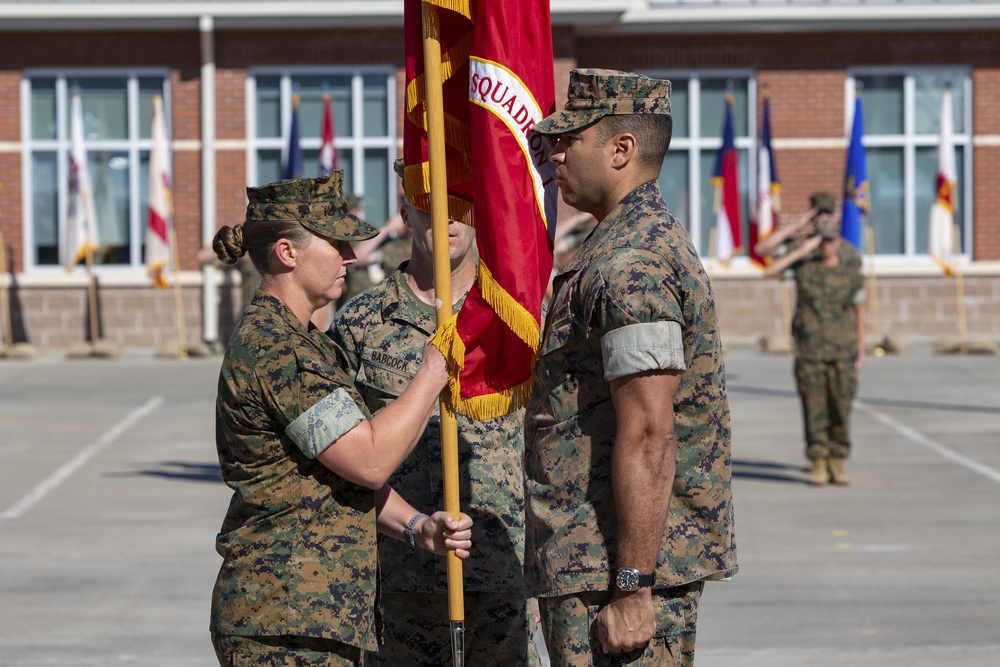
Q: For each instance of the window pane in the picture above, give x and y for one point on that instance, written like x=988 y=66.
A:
x=925 y=193
x=675 y=186
x=109 y=172
x=376 y=107
x=346 y=160
x=959 y=199
x=885 y=174
x=148 y=89
x=376 y=186
x=882 y=102
x=928 y=87
x=707 y=201
x=679 y=100
x=105 y=107
x=45 y=207
x=268 y=166
x=268 y=108
x=713 y=97
x=143 y=199
x=310 y=91
x=43 y=109
x=310 y=162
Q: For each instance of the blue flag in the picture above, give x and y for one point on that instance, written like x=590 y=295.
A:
x=293 y=157
x=855 y=182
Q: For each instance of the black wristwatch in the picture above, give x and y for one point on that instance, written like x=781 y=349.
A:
x=630 y=579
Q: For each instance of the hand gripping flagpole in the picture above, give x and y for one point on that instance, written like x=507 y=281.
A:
x=442 y=293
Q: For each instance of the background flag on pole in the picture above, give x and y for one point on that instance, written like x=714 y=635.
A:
x=160 y=216
x=81 y=220
x=941 y=237
x=725 y=178
x=327 y=153
x=768 y=189
x=855 y=181
x=293 y=155
x=502 y=83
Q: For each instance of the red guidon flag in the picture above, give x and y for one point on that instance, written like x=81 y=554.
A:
x=498 y=82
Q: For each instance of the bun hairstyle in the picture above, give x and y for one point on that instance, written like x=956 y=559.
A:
x=257 y=238
x=229 y=244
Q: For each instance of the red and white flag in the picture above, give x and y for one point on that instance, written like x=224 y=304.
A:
x=161 y=212
x=81 y=219
x=941 y=236
x=327 y=153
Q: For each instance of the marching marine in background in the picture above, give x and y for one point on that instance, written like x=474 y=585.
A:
x=829 y=333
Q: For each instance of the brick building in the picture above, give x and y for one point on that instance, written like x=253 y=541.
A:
x=227 y=71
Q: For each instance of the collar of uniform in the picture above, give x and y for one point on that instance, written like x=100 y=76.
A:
x=608 y=226
x=274 y=305
x=400 y=304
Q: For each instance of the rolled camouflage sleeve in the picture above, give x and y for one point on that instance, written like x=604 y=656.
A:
x=324 y=423
x=642 y=347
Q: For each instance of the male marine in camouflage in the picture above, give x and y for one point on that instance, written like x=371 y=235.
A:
x=382 y=332
x=627 y=438
x=829 y=334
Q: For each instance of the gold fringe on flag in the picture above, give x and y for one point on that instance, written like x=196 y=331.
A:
x=513 y=314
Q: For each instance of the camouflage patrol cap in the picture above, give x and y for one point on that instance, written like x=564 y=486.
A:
x=596 y=93
x=828 y=228
x=823 y=202
x=318 y=204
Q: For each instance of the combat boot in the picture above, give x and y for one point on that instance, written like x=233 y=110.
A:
x=837 y=474
x=818 y=473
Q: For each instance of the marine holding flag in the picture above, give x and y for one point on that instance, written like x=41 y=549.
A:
x=497 y=84
x=627 y=437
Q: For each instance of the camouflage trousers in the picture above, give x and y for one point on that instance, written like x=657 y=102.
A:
x=499 y=629
x=284 y=651
x=827 y=389
x=568 y=621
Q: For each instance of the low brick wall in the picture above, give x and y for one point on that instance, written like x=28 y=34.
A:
x=917 y=307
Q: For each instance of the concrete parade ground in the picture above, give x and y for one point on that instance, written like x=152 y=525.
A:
x=110 y=499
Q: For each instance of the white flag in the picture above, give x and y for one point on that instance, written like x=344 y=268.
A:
x=81 y=219
x=941 y=236
x=160 y=215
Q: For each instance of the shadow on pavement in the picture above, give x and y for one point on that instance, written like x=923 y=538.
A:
x=768 y=471
x=181 y=470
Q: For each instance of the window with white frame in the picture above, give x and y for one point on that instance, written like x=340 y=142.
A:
x=697 y=106
x=902 y=126
x=363 y=102
x=117 y=122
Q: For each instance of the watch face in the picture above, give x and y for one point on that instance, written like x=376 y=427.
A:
x=628 y=579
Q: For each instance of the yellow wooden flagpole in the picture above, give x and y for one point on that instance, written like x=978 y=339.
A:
x=963 y=328
x=786 y=309
x=92 y=297
x=442 y=294
x=8 y=328
x=182 y=350
x=873 y=294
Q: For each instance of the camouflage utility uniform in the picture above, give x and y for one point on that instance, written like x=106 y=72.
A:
x=826 y=346
x=634 y=298
x=298 y=542
x=383 y=332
